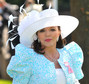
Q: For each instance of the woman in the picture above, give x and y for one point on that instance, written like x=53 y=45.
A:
x=42 y=56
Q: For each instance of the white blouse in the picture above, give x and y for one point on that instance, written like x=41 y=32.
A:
x=60 y=76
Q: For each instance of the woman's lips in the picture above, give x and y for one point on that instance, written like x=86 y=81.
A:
x=48 y=40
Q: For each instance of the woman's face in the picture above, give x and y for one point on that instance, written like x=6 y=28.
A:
x=48 y=36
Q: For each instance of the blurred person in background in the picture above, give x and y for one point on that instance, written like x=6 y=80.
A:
x=29 y=6
x=6 y=9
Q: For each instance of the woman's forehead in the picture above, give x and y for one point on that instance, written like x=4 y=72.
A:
x=51 y=27
x=48 y=28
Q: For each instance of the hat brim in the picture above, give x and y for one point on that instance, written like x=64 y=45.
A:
x=67 y=24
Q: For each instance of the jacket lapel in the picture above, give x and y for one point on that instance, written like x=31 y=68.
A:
x=65 y=63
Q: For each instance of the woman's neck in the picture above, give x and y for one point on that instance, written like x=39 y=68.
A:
x=51 y=54
x=50 y=50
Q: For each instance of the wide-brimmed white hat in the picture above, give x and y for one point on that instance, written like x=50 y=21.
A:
x=35 y=21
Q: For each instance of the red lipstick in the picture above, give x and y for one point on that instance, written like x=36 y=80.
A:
x=48 y=40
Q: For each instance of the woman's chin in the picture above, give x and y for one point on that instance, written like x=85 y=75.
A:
x=49 y=45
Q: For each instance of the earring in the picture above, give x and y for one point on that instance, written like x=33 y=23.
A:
x=34 y=37
x=38 y=41
x=57 y=39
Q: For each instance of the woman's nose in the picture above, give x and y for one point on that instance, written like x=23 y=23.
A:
x=47 y=33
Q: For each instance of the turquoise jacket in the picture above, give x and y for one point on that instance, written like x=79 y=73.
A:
x=28 y=67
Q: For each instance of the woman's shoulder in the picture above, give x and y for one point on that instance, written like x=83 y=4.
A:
x=74 y=50
x=21 y=46
x=22 y=49
x=22 y=61
x=72 y=47
x=22 y=54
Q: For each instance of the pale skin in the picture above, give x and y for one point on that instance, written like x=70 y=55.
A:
x=48 y=38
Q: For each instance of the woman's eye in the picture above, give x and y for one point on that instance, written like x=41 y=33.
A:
x=42 y=30
x=53 y=30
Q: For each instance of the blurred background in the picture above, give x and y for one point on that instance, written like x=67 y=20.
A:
x=77 y=8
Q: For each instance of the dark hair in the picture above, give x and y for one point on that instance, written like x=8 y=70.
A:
x=37 y=45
